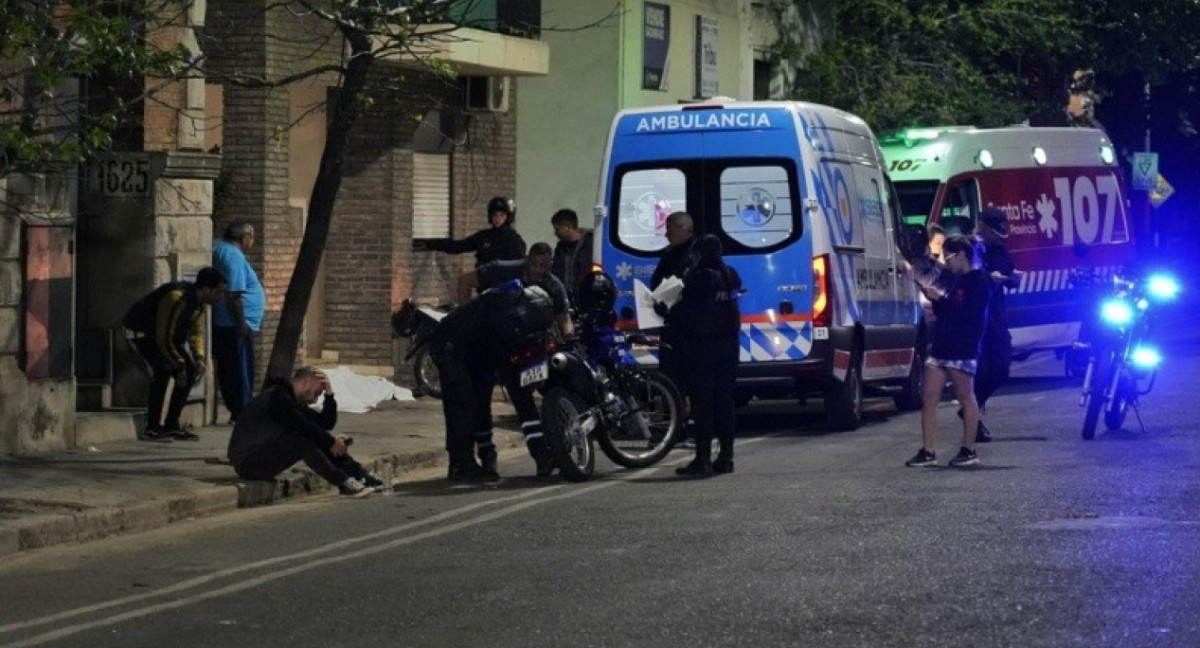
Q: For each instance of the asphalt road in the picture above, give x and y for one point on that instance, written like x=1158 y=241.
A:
x=818 y=539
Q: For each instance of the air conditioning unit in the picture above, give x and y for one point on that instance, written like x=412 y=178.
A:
x=485 y=93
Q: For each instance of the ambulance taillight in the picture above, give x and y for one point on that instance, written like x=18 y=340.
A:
x=822 y=296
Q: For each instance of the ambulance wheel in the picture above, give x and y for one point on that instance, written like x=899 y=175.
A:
x=910 y=397
x=844 y=400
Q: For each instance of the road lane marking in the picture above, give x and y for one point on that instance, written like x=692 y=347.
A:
x=335 y=547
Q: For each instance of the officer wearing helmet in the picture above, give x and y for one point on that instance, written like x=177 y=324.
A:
x=500 y=242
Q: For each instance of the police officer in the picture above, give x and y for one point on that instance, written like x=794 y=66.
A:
x=995 y=355
x=498 y=242
x=469 y=345
x=533 y=271
x=705 y=325
x=675 y=261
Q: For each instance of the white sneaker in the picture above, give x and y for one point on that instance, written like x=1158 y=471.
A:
x=354 y=488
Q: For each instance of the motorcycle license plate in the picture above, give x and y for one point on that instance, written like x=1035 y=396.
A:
x=535 y=373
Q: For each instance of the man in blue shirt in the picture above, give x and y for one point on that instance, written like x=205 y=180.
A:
x=237 y=317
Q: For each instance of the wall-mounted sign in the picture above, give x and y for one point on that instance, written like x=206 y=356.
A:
x=656 y=45
x=707 y=35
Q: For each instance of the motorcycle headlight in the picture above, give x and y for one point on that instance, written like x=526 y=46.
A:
x=1145 y=357
x=1161 y=286
x=1117 y=312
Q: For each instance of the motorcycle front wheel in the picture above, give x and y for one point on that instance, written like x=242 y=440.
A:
x=1102 y=377
x=425 y=374
x=649 y=431
x=1114 y=414
x=566 y=426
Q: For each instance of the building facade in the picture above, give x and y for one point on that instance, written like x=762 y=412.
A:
x=423 y=161
x=636 y=53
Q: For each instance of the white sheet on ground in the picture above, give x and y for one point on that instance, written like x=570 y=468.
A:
x=357 y=393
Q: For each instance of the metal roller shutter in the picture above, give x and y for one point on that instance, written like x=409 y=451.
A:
x=431 y=195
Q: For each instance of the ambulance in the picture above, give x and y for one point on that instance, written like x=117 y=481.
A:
x=798 y=196
x=1061 y=191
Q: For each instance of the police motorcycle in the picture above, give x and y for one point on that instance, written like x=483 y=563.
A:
x=415 y=322
x=1122 y=364
x=595 y=391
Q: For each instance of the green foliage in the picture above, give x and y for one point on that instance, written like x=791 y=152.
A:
x=46 y=44
x=926 y=62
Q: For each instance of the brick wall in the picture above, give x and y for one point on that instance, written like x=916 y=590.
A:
x=369 y=263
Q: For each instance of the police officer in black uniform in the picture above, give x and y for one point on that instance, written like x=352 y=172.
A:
x=500 y=242
x=705 y=324
x=533 y=271
x=469 y=345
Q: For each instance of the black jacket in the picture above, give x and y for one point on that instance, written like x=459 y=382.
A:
x=491 y=244
x=275 y=412
x=961 y=316
x=572 y=262
x=997 y=259
x=708 y=308
x=675 y=262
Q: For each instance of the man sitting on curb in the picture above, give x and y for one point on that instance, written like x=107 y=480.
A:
x=279 y=428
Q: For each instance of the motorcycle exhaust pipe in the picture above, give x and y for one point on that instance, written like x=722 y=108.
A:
x=558 y=360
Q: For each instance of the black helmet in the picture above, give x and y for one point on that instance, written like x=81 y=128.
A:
x=500 y=203
x=597 y=293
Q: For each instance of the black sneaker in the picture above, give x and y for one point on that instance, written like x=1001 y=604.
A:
x=922 y=458
x=467 y=472
x=965 y=457
x=182 y=434
x=723 y=466
x=487 y=464
x=982 y=434
x=695 y=468
x=155 y=434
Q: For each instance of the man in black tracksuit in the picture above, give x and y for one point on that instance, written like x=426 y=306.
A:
x=995 y=356
x=278 y=428
x=165 y=330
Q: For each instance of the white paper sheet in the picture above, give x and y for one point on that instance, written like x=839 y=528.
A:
x=668 y=292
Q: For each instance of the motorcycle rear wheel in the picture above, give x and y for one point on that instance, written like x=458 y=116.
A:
x=1101 y=379
x=565 y=421
x=660 y=407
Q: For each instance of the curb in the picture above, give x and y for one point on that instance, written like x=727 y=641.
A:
x=95 y=524
x=102 y=523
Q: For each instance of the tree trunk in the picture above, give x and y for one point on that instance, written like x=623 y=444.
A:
x=346 y=110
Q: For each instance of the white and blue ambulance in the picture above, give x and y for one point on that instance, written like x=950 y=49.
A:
x=798 y=196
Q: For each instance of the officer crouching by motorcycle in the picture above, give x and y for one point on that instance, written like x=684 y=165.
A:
x=469 y=346
x=534 y=270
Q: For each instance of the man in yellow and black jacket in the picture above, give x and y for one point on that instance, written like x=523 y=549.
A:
x=165 y=330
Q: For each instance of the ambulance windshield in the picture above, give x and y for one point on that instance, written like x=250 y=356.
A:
x=916 y=199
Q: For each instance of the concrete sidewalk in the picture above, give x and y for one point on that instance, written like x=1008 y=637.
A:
x=130 y=486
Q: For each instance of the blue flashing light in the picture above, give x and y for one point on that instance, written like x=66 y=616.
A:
x=1145 y=357
x=1161 y=286
x=1116 y=312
